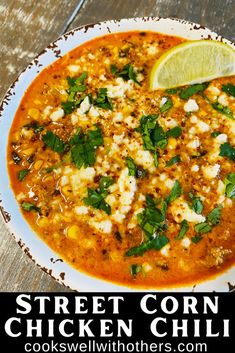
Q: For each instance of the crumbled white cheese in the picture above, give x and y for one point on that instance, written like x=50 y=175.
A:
x=91 y=56
x=102 y=78
x=145 y=159
x=64 y=180
x=117 y=117
x=165 y=250
x=120 y=88
x=211 y=171
x=214 y=90
x=221 y=187
x=180 y=210
x=74 y=119
x=221 y=138
x=47 y=110
x=186 y=242
x=191 y=106
x=193 y=119
x=163 y=176
x=103 y=226
x=118 y=139
x=127 y=188
x=163 y=101
x=195 y=168
x=223 y=99
x=79 y=210
x=169 y=183
x=131 y=122
x=202 y=126
x=195 y=143
x=170 y=123
x=152 y=50
x=57 y=114
x=84 y=106
x=73 y=68
x=93 y=112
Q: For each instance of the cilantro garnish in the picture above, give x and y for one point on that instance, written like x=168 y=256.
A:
x=229 y=89
x=102 y=100
x=127 y=73
x=167 y=105
x=197 y=205
x=230 y=185
x=135 y=170
x=54 y=142
x=173 y=160
x=226 y=150
x=22 y=174
x=83 y=151
x=184 y=227
x=175 y=192
x=188 y=92
x=174 y=132
x=156 y=243
x=27 y=206
x=96 y=197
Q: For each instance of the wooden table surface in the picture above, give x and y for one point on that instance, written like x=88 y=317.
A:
x=29 y=26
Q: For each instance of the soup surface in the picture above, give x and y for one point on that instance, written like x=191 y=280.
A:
x=128 y=185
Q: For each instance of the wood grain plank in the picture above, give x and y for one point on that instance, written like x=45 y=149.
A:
x=217 y=15
x=26 y=28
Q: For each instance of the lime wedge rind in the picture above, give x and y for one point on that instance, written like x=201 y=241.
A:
x=193 y=62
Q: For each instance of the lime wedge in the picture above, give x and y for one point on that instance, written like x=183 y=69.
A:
x=193 y=62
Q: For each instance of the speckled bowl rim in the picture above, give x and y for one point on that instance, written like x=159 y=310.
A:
x=30 y=243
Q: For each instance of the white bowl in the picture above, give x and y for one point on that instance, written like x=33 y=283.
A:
x=31 y=244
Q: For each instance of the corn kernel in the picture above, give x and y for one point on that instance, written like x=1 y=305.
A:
x=67 y=190
x=146 y=267
x=37 y=101
x=172 y=143
x=42 y=222
x=73 y=232
x=38 y=164
x=33 y=113
x=28 y=151
x=88 y=243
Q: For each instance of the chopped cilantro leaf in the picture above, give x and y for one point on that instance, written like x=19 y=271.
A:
x=146 y=128
x=127 y=72
x=83 y=151
x=188 y=92
x=35 y=127
x=134 y=170
x=229 y=89
x=226 y=150
x=197 y=205
x=196 y=239
x=175 y=192
x=184 y=227
x=102 y=100
x=159 y=137
x=230 y=185
x=27 y=206
x=54 y=142
x=214 y=216
x=22 y=174
x=135 y=269
x=167 y=105
x=172 y=90
x=215 y=134
x=223 y=109
x=156 y=243
x=174 y=132
x=96 y=197
x=203 y=228
x=173 y=160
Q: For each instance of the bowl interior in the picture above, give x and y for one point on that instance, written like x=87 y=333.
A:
x=28 y=240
